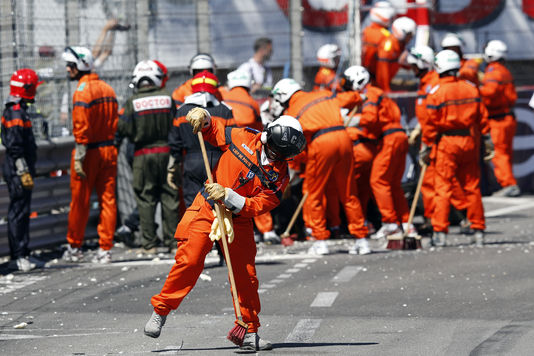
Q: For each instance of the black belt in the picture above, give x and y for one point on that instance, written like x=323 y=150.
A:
x=390 y=131
x=99 y=144
x=364 y=140
x=457 y=132
x=327 y=130
x=500 y=116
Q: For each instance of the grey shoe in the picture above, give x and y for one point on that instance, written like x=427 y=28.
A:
x=478 y=238
x=509 y=191
x=73 y=254
x=253 y=342
x=102 y=256
x=22 y=264
x=438 y=239
x=154 y=324
x=465 y=227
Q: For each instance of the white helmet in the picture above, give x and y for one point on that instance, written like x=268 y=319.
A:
x=402 y=27
x=495 y=50
x=147 y=69
x=284 y=90
x=283 y=138
x=446 y=60
x=382 y=13
x=327 y=54
x=82 y=56
x=452 y=40
x=239 y=78
x=201 y=61
x=422 y=56
x=356 y=78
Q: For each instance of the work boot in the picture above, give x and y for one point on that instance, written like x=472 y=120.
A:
x=73 y=254
x=102 y=256
x=360 y=247
x=271 y=237
x=154 y=324
x=386 y=230
x=253 y=342
x=478 y=238
x=409 y=229
x=438 y=238
x=319 y=247
x=509 y=191
x=125 y=235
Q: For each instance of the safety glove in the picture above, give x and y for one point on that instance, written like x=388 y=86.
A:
x=414 y=135
x=24 y=174
x=215 y=191
x=215 y=233
x=174 y=174
x=79 y=156
x=424 y=154
x=489 y=149
x=198 y=118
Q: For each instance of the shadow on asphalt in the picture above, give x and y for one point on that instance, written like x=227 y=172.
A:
x=320 y=344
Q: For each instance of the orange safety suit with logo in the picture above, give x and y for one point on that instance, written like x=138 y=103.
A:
x=261 y=183
x=186 y=89
x=387 y=66
x=427 y=82
x=320 y=117
x=499 y=95
x=469 y=70
x=372 y=36
x=381 y=120
x=326 y=79
x=247 y=114
x=454 y=107
x=94 y=121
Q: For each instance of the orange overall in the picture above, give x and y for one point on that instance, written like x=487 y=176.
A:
x=94 y=119
x=239 y=168
x=499 y=95
x=372 y=36
x=454 y=107
x=325 y=79
x=186 y=89
x=321 y=122
x=381 y=121
x=469 y=70
x=387 y=66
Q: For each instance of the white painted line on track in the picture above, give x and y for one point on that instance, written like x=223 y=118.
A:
x=304 y=330
x=292 y=270
x=346 y=274
x=507 y=200
x=267 y=286
x=324 y=299
x=8 y=285
x=310 y=260
x=29 y=336
x=275 y=281
x=284 y=276
x=261 y=291
x=508 y=210
x=300 y=265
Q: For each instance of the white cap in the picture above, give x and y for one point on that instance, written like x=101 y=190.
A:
x=452 y=40
x=495 y=50
x=402 y=27
x=327 y=54
x=382 y=13
x=82 y=56
x=239 y=78
x=446 y=60
x=422 y=56
x=284 y=89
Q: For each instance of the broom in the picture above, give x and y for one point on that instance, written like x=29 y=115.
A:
x=237 y=334
x=286 y=240
x=406 y=242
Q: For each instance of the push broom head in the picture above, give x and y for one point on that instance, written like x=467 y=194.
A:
x=237 y=334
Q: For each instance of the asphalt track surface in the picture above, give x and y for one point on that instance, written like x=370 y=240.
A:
x=456 y=300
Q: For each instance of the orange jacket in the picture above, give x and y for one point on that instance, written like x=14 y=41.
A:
x=315 y=111
x=325 y=79
x=427 y=82
x=246 y=110
x=379 y=113
x=186 y=89
x=348 y=99
x=453 y=104
x=240 y=169
x=95 y=111
x=371 y=37
x=498 y=90
x=387 y=66
x=469 y=70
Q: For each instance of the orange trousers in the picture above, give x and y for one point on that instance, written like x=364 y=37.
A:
x=332 y=161
x=100 y=167
x=502 y=135
x=192 y=234
x=386 y=175
x=457 y=157
x=458 y=199
x=264 y=222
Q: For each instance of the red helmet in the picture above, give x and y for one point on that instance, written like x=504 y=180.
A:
x=164 y=70
x=24 y=83
x=205 y=82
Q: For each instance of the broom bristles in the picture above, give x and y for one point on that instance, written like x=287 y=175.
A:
x=237 y=334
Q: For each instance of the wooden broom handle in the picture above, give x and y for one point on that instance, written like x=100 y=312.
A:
x=221 y=227
x=295 y=214
x=416 y=195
